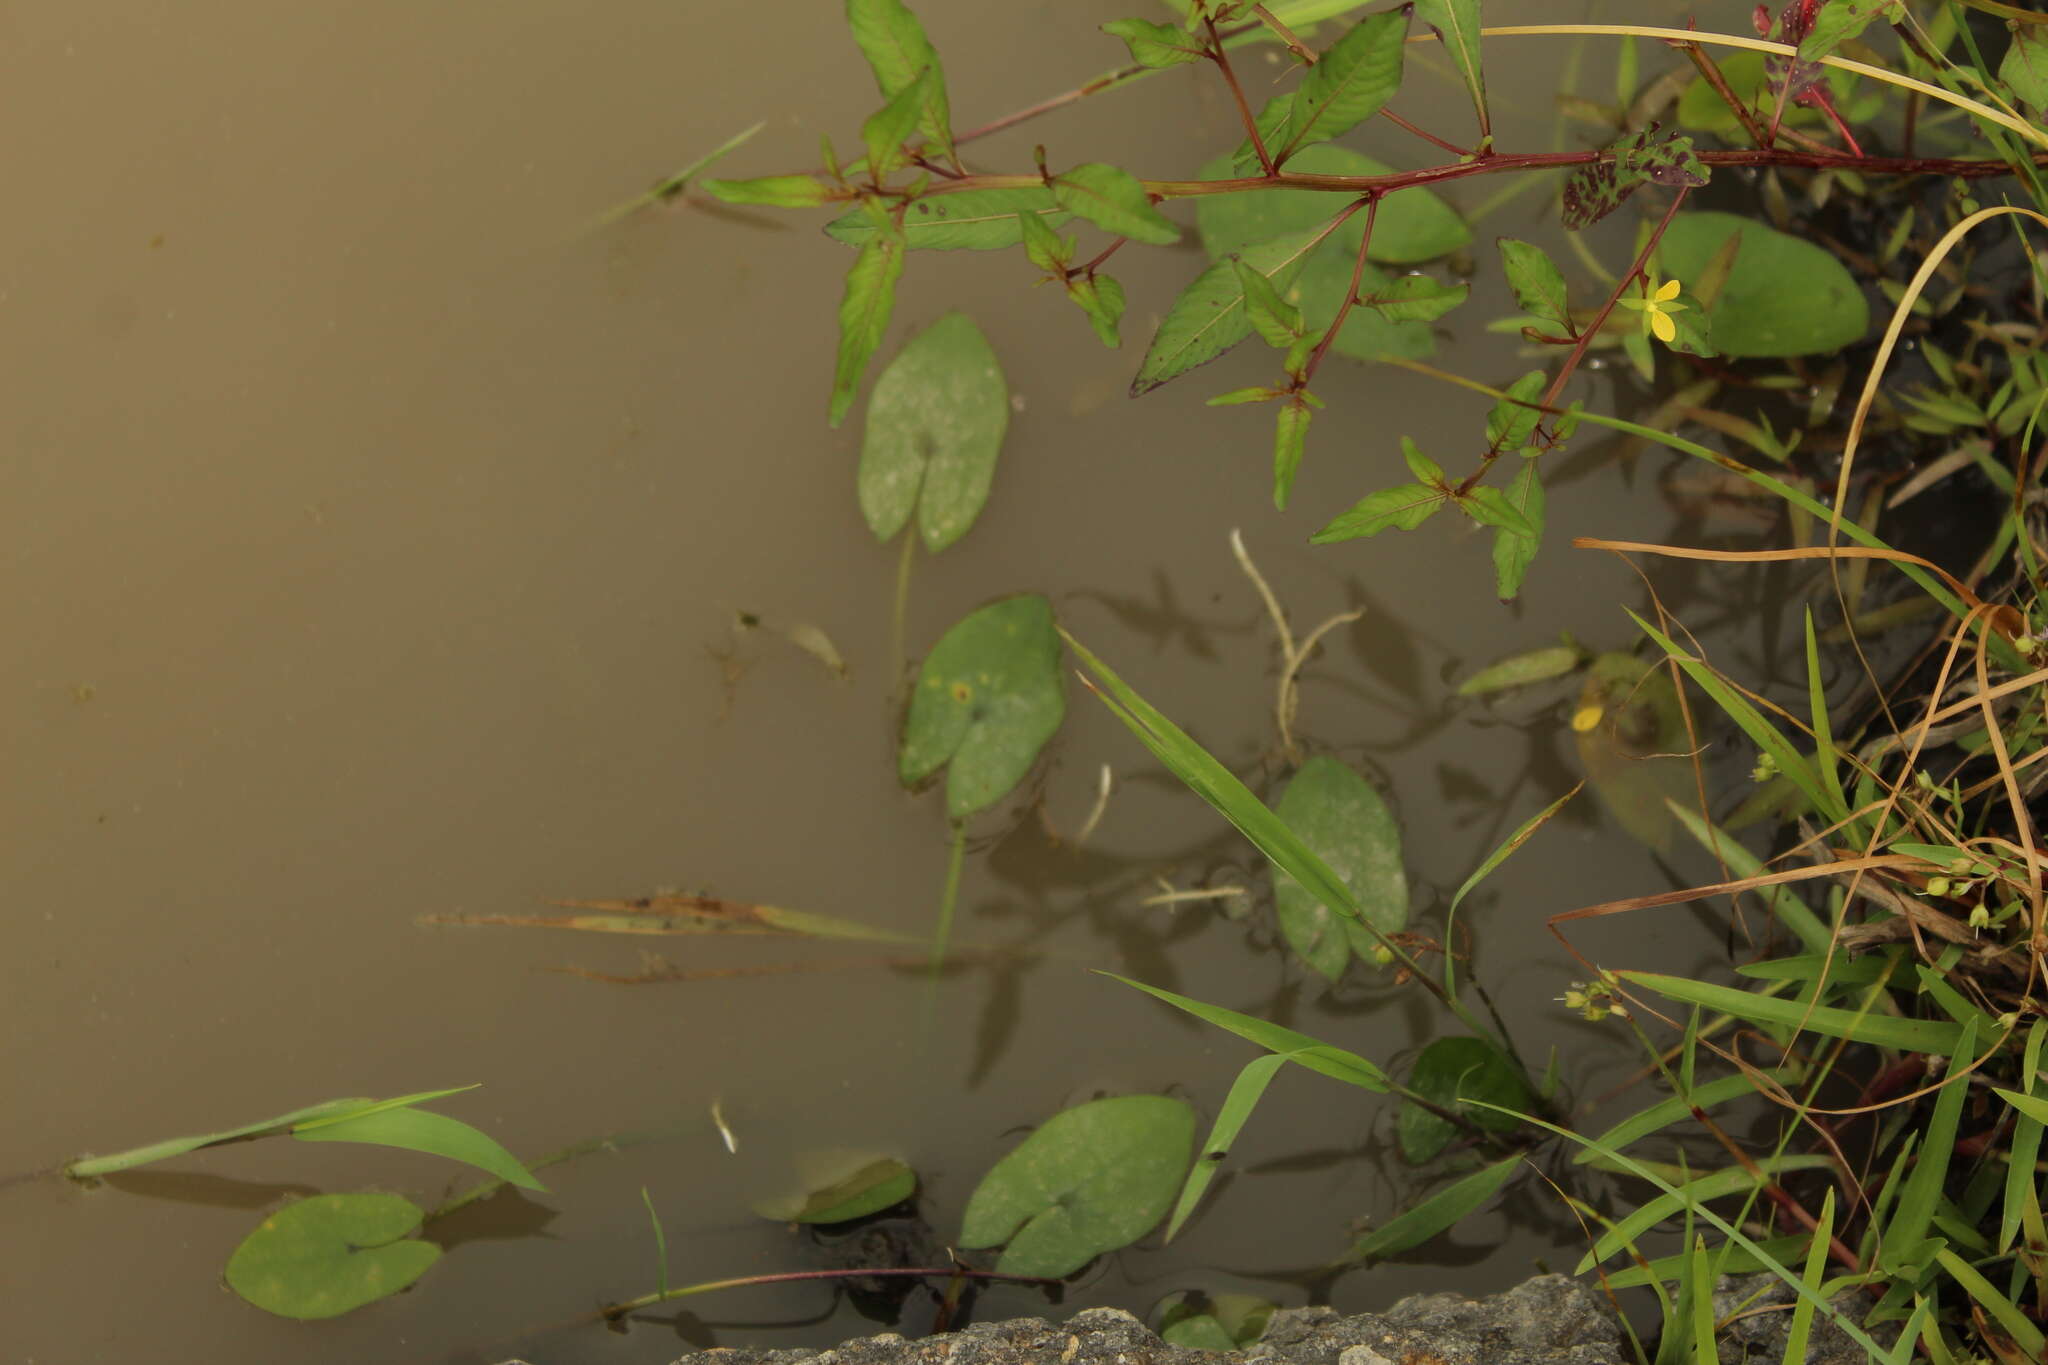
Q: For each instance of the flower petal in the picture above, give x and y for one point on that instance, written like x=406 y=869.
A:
x=1667 y=291
x=1665 y=329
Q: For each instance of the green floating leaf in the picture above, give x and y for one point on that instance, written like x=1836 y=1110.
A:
x=1456 y=23
x=1784 y=296
x=838 y=1186
x=1629 y=730
x=422 y=1130
x=987 y=701
x=1208 y=317
x=1113 y=200
x=2025 y=67
x=1452 y=1070
x=1094 y=1178
x=325 y=1256
x=1411 y=226
x=1348 y=84
x=1196 y=1321
x=973 y=220
x=1536 y=280
x=1519 y=670
x=1155 y=45
x=1595 y=190
x=1513 y=550
x=935 y=425
x=1343 y=820
x=91 y=1167
x=1438 y=1213
x=1400 y=508
x=898 y=52
x=780 y=191
x=864 y=315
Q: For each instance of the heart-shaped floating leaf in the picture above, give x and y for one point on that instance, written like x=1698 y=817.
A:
x=1344 y=821
x=935 y=425
x=987 y=701
x=325 y=1256
x=1784 y=296
x=1451 y=1069
x=1412 y=224
x=1092 y=1179
x=839 y=1185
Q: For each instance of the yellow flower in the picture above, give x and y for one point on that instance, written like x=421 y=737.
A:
x=1656 y=308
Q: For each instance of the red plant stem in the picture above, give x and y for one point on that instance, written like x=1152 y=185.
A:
x=1423 y=133
x=1308 y=371
x=1100 y=257
x=1711 y=73
x=1586 y=334
x=1244 y=110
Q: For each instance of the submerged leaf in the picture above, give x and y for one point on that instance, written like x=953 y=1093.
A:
x=1343 y=820
x=1438 y=1213
x=681 y=914
x=1519 y=670
x=839 y=1185
x=1630 y=735
x=1213 y=1322
x=935 y=424
x=324 y=1256
x=986 y=702
x=1451 y=1070
x=1094 y=1178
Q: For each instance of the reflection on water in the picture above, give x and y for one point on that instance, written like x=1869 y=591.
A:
x=375 y=531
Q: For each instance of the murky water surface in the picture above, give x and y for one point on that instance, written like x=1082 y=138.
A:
x=374 y=531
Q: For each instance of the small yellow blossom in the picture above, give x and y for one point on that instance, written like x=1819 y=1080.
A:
x=1656 y=308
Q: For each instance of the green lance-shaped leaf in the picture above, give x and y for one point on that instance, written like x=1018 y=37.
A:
x=1410 y=226
x=935 y=426
x=1519 y=670
x=1345 y=822
x=1449 y=1071
x=422 y=1130
x=1644 y=158
x=1045 y=248
x=1420 y=465
x=324 y=1256
x=1155 y=45
x=1514 y=551
x=974 y=220
x=1784 y=296
x=1271 y=121
x=1400 y=508
x=1208 y=317
x=1113 y=200
x=1277 y=321
x=1304 y=1051
x=898 y=51
x=1367 y=335
x=1348 y=83
x=1537 y=282
x=1512 y=421
x=1438 y=1213
x=1102 y=299
x=1094 y=1178
x=864 y=314
x=88 y=1168
x=886 y=130
x=1490 y=507
x=1457 y=26
x=2025 y=67
x=1414 y=298
x=1290 y=438
x=779 y=191
x=986 y=702
x=1841 y=20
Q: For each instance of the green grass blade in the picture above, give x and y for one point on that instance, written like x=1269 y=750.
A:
x=1298 y=1048
x=365 y=1108
x=1700 y=1283
x=1244 y=1096
x=1441 y=1211
x=1908 y=1227
x=1514 y=841
x=1815 y=1271
x=2026 y=1142
x=1669 y=1111
x=1760 y=730
x=2016 y=1323
x=1690 y=1196
x=88 y=1168
x=1879 y=1030
x=671 y=186
x=423 y=1130
x=1825 y=759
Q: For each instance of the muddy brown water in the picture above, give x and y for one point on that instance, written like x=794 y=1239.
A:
x=373 y=528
